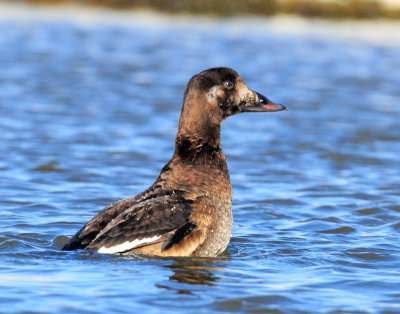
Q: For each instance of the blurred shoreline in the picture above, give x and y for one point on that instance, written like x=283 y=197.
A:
x=383 y=32
x=331 y=9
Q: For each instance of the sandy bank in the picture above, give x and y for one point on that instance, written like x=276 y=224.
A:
x=380 y=32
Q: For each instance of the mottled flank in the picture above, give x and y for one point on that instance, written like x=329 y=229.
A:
x=187 y=211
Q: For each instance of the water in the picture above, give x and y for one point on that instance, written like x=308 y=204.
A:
x=88 y=115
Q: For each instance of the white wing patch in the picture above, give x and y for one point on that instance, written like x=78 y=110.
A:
x=128 y=245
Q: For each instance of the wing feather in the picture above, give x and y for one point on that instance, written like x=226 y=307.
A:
x=145 y=222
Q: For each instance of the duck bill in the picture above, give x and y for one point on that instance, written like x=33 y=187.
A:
x=260 y=103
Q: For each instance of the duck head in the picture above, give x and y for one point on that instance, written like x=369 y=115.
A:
x=215 y=94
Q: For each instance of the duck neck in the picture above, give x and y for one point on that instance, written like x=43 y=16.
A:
x=198 y=140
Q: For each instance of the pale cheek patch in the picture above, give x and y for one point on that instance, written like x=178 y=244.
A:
x=128 y=245
x=214 y=93
x=244 y=93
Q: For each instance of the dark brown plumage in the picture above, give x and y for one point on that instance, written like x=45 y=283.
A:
x=187 y=211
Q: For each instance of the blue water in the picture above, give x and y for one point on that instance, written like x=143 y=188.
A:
x=88 y=115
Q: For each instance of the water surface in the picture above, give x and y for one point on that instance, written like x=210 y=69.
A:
x=88 y=115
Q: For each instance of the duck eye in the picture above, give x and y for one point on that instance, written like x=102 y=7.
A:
x=228 y=84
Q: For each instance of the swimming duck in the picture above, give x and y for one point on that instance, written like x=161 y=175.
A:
x=188 y=209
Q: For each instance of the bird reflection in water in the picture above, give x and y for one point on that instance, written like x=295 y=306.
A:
x=197 y=271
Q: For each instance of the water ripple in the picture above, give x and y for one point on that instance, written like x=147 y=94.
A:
x=88 y=115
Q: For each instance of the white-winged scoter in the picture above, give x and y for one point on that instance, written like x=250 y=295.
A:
x=188 y=209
